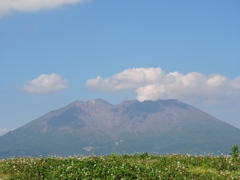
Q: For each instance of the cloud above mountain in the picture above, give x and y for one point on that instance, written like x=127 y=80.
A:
x=154 y=83
x=45 y=84
x=8 y=6
x=128 y=79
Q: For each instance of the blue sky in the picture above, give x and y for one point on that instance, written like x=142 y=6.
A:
x=52 y=54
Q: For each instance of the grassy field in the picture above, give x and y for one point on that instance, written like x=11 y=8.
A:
x=135 y=166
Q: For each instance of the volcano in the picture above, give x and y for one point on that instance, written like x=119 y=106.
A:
x=96 y=126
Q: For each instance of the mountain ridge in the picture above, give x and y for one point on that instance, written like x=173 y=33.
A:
x=96 y=126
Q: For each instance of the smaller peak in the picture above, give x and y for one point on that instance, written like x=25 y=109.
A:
x=92 y=101
x=75 y=103
x=97 y=101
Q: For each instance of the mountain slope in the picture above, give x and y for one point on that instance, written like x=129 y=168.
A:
x=96 y=126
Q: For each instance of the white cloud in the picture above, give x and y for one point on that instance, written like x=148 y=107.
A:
x=153 y=84
x=128 y=79
x=7 y=6
x=3 y=131
x=45 y=84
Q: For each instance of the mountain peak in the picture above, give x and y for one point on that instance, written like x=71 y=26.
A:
x=164 y=126
x=97 y=101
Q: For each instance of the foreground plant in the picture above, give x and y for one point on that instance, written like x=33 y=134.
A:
x=235 y=151
x=133 y=166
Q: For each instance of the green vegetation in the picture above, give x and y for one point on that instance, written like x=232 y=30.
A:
x=235 y=151
x=126 y=166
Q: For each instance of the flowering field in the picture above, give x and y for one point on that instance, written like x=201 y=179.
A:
x=135 y=166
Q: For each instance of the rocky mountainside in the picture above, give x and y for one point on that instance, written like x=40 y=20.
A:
x=96 y=126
